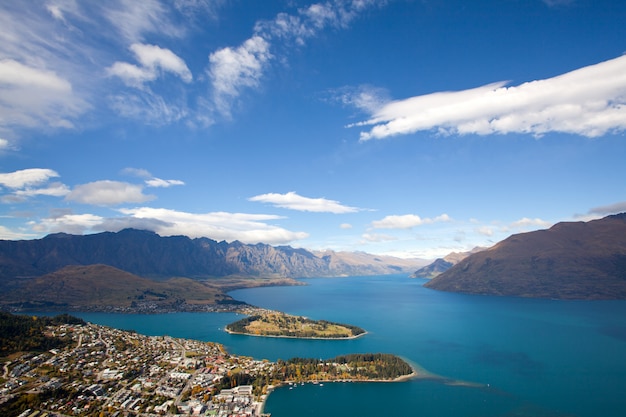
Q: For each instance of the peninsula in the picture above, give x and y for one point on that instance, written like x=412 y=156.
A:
x=63 y=366
x=269 y=323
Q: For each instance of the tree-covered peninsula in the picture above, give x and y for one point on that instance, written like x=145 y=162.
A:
x=277 y=324
x=353 y=367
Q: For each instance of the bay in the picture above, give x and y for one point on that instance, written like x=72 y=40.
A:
x=527 y=357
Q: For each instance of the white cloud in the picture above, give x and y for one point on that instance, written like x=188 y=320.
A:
x=153 y=60
x=152 y=56
x=345 y=226
x=377 y=237
x=406 y=221
x=158 y=182
x=26 y=177
x=55 y=189
x=136 y=172
x=35 y=97
x=247 y=228
x=68 y=223
x=526 y=222
x=590 y=101
x=234 y=69
x=293 y=201
x=8 y=234
x=108 y=193
x=485 y=231
x=30 y=182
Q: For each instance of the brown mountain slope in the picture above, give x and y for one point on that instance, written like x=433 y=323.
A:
x=102 y=287
x=571 y=260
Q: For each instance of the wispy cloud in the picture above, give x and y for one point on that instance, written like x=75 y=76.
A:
x=158 y=182
x=377 y=237
x=293 y=201
x=590 y=101
x=148 y=107
x=65 y=49
x=484 y=231
x=134 y=19
x=61 y=51
x=136 y=172
x=233 y=70
x=366 y=98
x=36 y=98
x=614 y=208
x=406 y=221
x=149 y=179
x=557 y=3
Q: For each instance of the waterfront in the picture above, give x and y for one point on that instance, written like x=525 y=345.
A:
x=539 y=357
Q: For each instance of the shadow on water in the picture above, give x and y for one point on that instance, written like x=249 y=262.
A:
x=518 y=362
x=616 y=332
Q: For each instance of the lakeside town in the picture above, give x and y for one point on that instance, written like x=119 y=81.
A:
x=110 y=372
x=101 y=371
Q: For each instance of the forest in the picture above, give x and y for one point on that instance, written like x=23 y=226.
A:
x=352 y=367
x=360 y=367
x=27 y=333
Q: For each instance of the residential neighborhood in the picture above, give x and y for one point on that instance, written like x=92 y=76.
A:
x=109 y=372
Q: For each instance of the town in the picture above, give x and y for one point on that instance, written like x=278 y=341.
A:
x=109 y=372
x=63 y=366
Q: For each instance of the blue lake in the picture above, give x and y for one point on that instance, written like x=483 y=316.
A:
x=538 y=357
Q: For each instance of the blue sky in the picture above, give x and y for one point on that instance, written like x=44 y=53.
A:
x=408 y=128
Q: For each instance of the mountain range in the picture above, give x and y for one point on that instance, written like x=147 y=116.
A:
x=142 y=271
x=570 y=260
x=147 y=254
x=138 y=268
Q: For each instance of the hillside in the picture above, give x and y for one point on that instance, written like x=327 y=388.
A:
x=102 y=287
x=433 y=269
x=571 y=260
